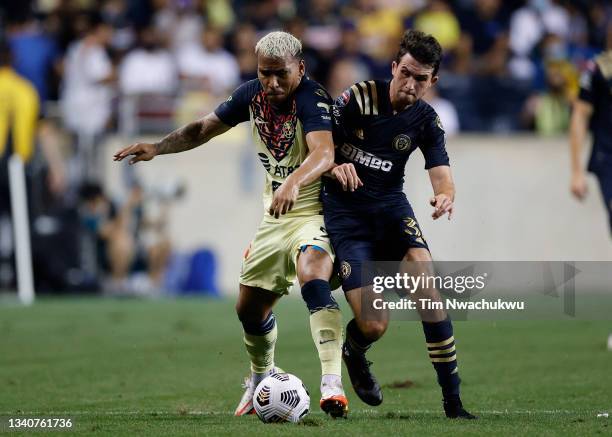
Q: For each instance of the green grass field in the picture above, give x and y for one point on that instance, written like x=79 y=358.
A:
x=120 y=367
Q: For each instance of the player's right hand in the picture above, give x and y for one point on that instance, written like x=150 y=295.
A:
x=346 y=174
x=579 y=186
x=284 y=198
x=139 y=151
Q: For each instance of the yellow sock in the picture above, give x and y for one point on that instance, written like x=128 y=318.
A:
x=261 y=350
x=326 y=329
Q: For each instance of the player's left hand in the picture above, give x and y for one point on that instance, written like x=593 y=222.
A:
x=284 y=198
x=442 y=204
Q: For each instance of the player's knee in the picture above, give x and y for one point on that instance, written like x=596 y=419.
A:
x=313 y=263
x=255 y=323
x=317 y=295
x=374 y=329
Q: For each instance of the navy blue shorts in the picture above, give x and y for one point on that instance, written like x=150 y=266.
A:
x=605 y=184
x=384 y=234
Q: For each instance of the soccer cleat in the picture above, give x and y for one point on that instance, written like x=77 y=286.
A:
x=364 y=382
x=245 y=406
x=453 y=408
x=333 y=401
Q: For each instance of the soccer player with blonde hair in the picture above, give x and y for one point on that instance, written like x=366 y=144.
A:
x=291 y=125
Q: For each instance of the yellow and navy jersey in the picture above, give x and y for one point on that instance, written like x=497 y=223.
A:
x=378 y=141
x=19 y=106
x=596 y=89
x=280 y=134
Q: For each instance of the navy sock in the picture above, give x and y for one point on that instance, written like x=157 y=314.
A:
x=317 y=295
x=441 y=348
x=259 y=328
x=355 y=337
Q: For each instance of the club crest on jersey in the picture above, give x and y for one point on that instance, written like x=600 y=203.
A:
x=402 y=143
x=345 y=270
x=288 y=130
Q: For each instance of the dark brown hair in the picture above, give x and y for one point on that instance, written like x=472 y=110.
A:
x=422 y=47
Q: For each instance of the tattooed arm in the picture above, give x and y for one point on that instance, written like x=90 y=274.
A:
x=185 y=138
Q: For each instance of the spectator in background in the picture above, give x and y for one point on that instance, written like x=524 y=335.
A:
x=484 y=24
x=380 y=27
x=149 y=68
x=317 y=61
x=485 y=35
x=439 y=20
x=244 y=39
x=36 y=56
x=323 y=19
x=264 y=14
x=208 y=65
x=109 y=228
x=126 y=241
x=528 y=25
x=350 y=49
x=445 y=110
x=549 y=112
x=88 y=75
x=115 y=13
x=343 y=74
x=179 y=22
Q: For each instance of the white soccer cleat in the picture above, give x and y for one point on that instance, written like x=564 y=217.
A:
x=333 y=400
x=245 y=406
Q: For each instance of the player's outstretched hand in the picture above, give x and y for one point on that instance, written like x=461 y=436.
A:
x=579 y=186
x=139 y=151
x=284 y=198
x=442 y=204
x=346 y=174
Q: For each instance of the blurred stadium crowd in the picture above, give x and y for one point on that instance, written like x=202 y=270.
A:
x=146 y=66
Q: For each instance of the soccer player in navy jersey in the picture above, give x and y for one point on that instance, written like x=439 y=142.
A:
x=377 y=125
x=292 y=129
x=593 y=109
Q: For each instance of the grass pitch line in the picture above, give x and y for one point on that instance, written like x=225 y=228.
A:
x=231 y=413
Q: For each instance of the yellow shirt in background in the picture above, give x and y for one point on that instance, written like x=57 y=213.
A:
x=19 y=106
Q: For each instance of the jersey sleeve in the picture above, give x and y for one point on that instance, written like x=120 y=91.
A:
x=590 y=82
x=433 y=145
x=313 y=106
x=236 y=108
x=345 y=114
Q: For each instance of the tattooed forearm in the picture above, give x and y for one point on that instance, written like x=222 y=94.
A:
x=185 y=138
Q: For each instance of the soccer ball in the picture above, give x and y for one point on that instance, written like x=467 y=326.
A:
x=281 y=397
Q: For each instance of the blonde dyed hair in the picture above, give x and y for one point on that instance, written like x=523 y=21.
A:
x=279 y=45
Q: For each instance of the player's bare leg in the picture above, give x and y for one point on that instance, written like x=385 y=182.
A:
x=367 y=327
x=314 y=268
x=254 y=309
x=439 y=336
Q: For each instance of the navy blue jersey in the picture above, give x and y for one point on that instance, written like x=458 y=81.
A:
x=279 y=134
x=378 y=141
x=596 y=89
